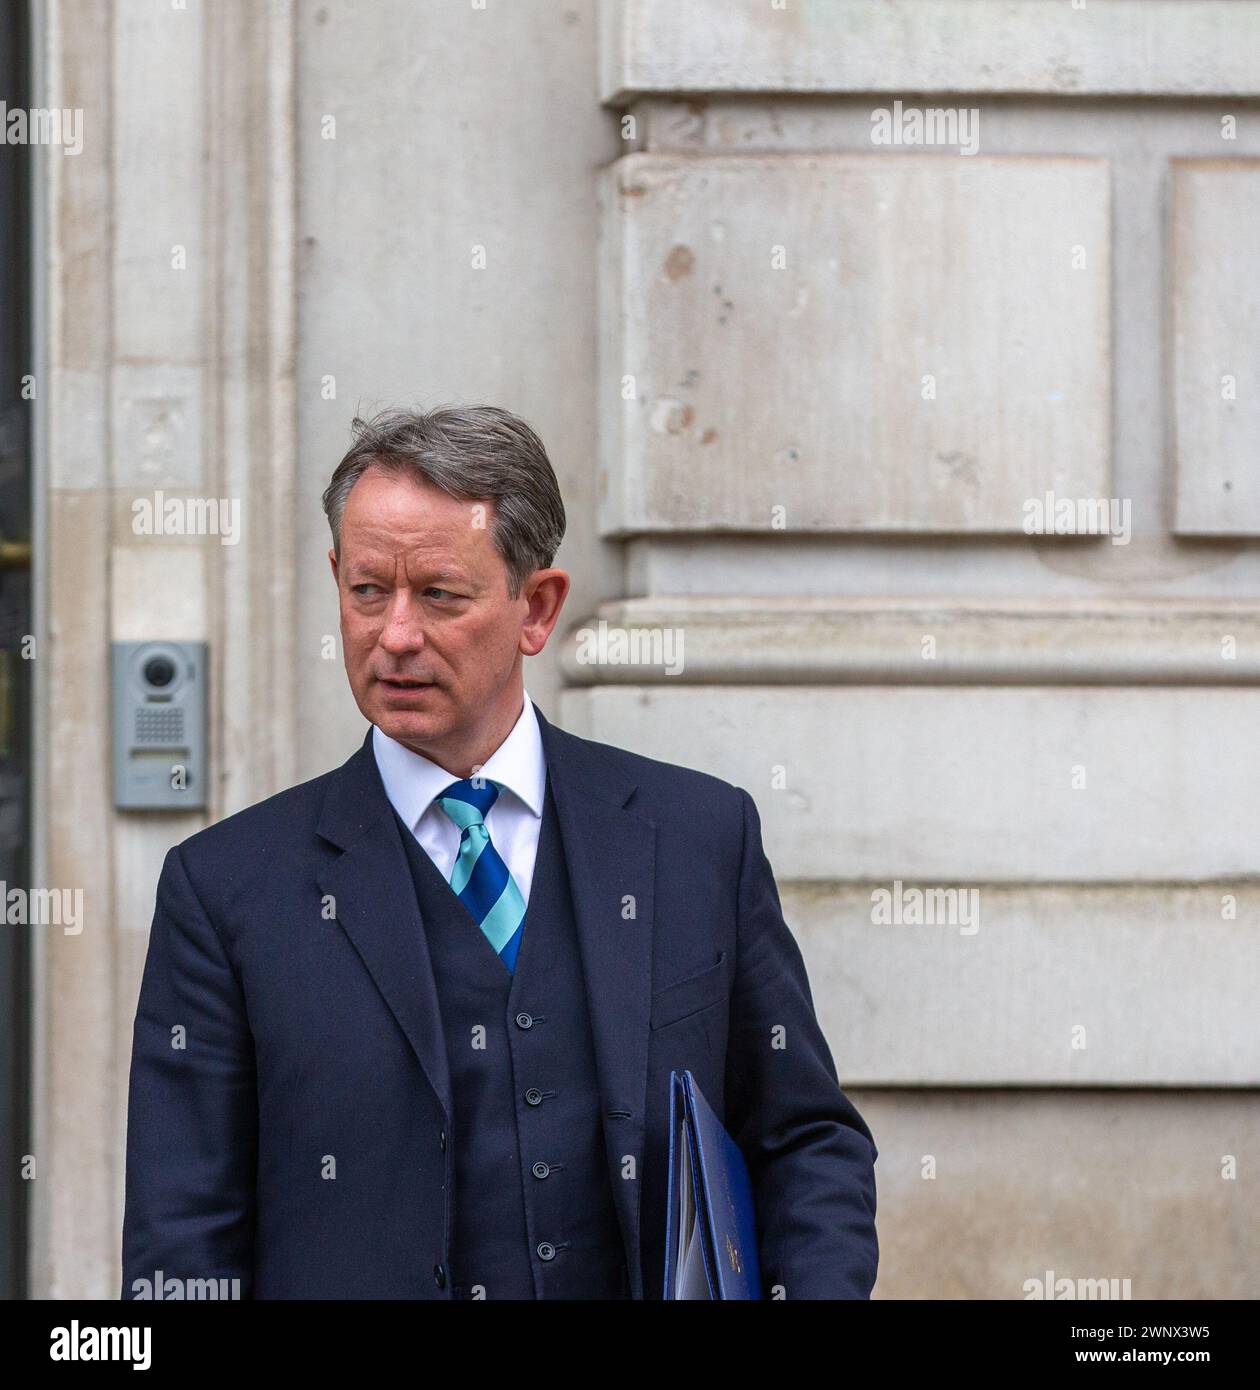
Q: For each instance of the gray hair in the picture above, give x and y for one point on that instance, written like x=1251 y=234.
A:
x=473 y=452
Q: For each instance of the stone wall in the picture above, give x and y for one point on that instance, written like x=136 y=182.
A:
x=802 y=390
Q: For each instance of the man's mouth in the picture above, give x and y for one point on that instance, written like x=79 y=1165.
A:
x=404 y=682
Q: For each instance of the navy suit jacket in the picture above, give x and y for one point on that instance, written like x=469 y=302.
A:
x=289 y=1091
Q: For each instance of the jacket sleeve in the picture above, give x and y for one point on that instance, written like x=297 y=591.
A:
x=192 y=1112
x=810 y=1154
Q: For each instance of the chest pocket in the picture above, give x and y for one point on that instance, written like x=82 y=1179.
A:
x=673 y=1003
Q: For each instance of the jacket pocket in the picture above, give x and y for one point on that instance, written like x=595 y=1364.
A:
x=673 y=1003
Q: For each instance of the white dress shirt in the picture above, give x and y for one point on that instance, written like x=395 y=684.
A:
x=514 y=821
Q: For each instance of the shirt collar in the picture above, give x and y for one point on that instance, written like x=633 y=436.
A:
x=412 y=780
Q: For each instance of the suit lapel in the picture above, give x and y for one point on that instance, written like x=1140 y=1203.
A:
x=611 y=858
x=375 y=902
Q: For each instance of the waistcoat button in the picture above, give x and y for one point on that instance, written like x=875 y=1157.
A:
x=546 y=1251
x=524 y=1020
x=540 y=1170
x=439 y=1276
x=533 y=1096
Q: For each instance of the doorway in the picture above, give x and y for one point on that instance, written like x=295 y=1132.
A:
x=16 y=657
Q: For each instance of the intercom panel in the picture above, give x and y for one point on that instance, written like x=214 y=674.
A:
x=159 y=706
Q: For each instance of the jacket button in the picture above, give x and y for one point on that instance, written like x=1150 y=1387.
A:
x=540 y=1170
x=546 y=1251
x=533 y=1096
x=524 y=1020
x=442 y=1140
x=439 y=1276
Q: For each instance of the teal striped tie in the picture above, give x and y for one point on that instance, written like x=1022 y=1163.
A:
x=480 y=878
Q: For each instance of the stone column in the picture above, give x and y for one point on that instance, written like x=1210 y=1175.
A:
x=169 y=266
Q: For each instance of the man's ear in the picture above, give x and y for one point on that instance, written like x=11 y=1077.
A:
x=545 y=592
x=332 y=560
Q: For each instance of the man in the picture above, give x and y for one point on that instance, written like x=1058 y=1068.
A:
x=406 y=1030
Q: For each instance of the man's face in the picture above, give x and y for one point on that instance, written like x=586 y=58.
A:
x=432 y=640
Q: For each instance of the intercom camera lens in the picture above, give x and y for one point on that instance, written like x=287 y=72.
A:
x=159 y=671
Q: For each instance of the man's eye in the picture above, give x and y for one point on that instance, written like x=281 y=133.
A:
x=440 y=593
x=362 y=588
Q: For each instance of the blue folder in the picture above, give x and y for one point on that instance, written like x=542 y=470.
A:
x=711 y=1223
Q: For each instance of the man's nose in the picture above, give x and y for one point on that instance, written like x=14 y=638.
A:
x=402 y=630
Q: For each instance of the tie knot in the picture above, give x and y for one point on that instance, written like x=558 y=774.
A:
x=468 y=802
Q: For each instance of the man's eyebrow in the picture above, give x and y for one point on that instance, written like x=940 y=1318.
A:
x=354 y=567
x=444 y=576
x=438 y=574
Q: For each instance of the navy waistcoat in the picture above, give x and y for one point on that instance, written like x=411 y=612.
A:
x=533 y=1208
